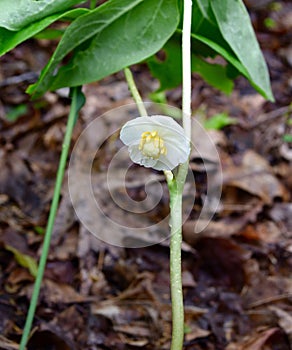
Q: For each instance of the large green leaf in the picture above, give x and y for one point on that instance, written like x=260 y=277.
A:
x=115 y=35
x=169 y=71
x=208 y=41
x=9 y=39
x=17 y=14
x=228 y=55
x=235 y=26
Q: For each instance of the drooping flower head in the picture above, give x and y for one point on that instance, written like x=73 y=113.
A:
x=156 y=142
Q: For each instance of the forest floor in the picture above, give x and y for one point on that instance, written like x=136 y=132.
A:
x=236 y=273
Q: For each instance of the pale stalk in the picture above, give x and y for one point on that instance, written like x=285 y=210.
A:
x=186 y=67
x=176 y=190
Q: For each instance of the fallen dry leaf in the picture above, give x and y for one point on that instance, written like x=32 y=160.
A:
x=284 y=320
x=255 y=176
x=222 y=260
x=256 y=341
x=54 y=293
x=8 y=344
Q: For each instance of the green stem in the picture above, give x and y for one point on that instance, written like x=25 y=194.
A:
x=175 y=190
x=135 y=92
x=51 y=220
x=175 y=271
x=92 y=4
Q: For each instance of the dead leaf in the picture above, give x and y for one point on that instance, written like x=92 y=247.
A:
x=204 y=147
x=8 y=344
x=281 y=213
x=16 y=278
x=284 y=320
x=256 y=341
x=42 y=339
x=222 y=228
x=266 y=231
x=188 y=280
x=16 y=182
x=54 y=293
x=196 y=332
x=140 y=321
x=255 y=176
x=222 y=260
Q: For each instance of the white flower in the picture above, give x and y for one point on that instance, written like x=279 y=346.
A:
x=156 y=142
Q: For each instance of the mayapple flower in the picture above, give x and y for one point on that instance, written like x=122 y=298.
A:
x=156 y=142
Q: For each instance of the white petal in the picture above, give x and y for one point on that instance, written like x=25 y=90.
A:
x=177 y=152
x=173 y=135
x=137 y=157
x=135 y=153
x=167 y=126
x=165 y=163
x=133 y=129
x=148 y=162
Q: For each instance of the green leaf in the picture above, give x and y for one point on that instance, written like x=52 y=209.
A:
x=16 y=112
x=169 y=71
x=218 y=121
x=17 y=14
x=113 y=36
x=24 y=260
x=287 y=138
x=204 y=6
x=9 y=39
x=214 y=74
x=39 y=230
x=49 y=34
x=235 y=26
x=270 y=23
x=229 y=56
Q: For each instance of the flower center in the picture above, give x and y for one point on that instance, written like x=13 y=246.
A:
x=152 y=145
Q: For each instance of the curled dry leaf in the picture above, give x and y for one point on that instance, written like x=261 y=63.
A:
x=54 y=293
x=137 y=322
x=284 y=320
x=266 y=339
x=255 y=176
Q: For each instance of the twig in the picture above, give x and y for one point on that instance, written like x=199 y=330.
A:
x=269 y=300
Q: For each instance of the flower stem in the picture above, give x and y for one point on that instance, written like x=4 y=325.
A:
x=53 y=210
x=186 y=67
x=176 y=190
x=175 y=271
x=135 y=92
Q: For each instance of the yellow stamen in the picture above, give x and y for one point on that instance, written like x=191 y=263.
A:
x=152 y=145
